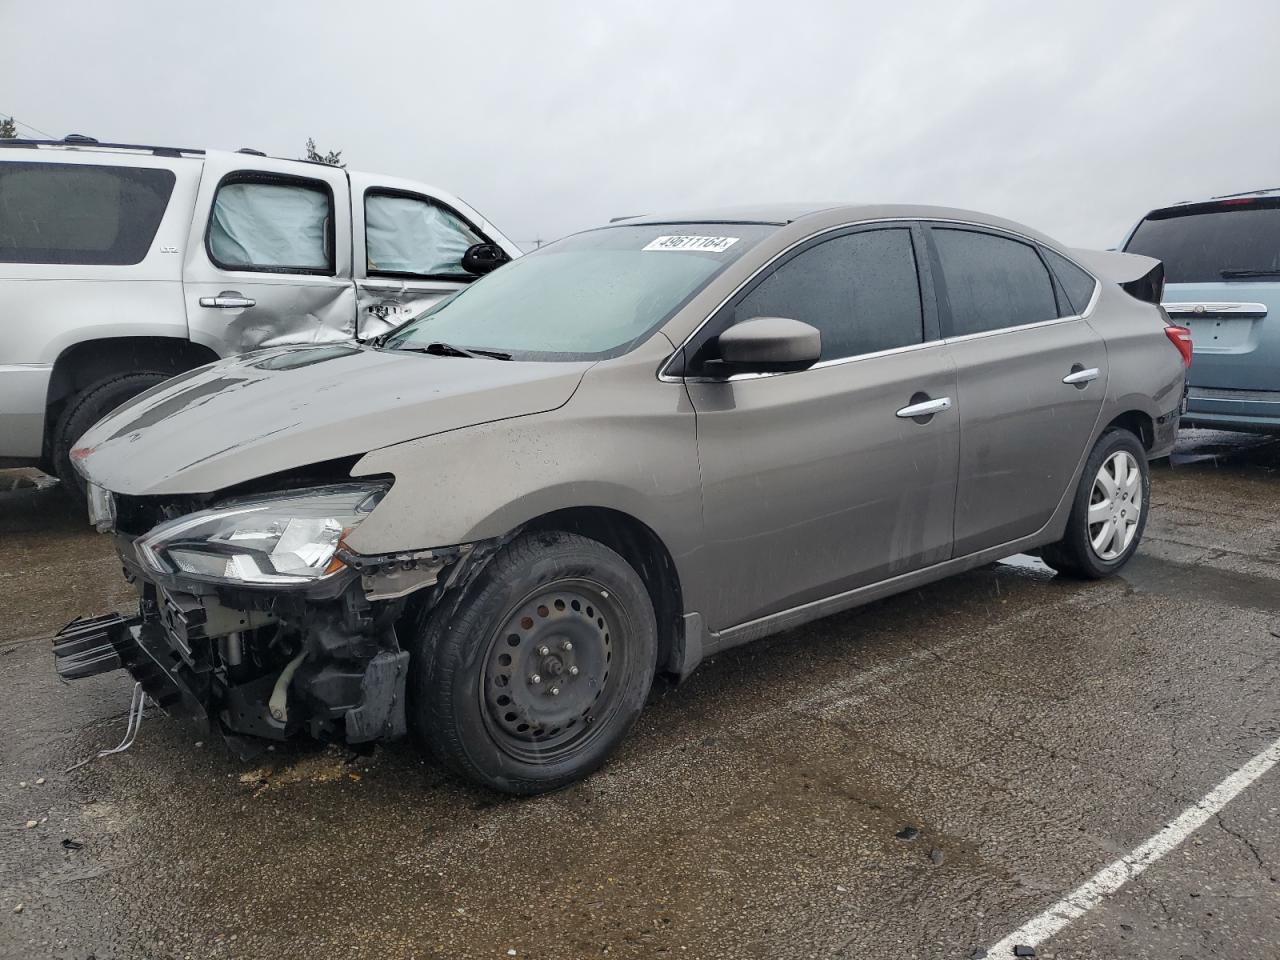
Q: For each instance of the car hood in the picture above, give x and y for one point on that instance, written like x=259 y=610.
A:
x=261 y=413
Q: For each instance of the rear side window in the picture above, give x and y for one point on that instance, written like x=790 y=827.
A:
x=273 y=226
x=68 y=213
x=407 y=235
x=861 y=291
x=1076 y=283
x=1209 y=243
x=992 y=282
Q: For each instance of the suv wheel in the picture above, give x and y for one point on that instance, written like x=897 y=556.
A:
x=1110 y=510
x=530 y=682
x=88 y=407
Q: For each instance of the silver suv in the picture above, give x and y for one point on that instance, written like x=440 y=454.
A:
x=632 y=448
x=121 y=266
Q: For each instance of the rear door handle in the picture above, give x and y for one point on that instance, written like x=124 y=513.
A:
x=1079 y=377
x=926 y=408
x=228 y=300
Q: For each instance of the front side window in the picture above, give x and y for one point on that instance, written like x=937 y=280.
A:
x=411 y=236
x=861 y=291
x=590 y=296
x=1236 y=239
x=272 y=226
x=992 y=282
x=64 y=213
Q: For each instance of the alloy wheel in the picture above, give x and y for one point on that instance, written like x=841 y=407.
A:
x=1115 y=505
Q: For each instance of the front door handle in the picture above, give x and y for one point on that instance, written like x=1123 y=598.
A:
x=1078 y=378
x=926 y=408
x=228 y=300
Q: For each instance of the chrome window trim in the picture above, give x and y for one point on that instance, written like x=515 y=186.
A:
x=1088 y=310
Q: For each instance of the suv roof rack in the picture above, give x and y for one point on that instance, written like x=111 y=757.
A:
x=1245 y=193
x=80 y=140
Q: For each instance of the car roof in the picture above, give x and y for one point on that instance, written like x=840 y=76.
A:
x=71 y=144
x=779 y=214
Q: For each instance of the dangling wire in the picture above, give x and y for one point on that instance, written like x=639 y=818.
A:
x=130 y=733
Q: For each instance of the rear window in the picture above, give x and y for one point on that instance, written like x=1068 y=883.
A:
x=991 y=282
x=1209 y=243
x=80 y=213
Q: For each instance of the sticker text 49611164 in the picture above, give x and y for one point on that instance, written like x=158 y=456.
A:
x=702 y=244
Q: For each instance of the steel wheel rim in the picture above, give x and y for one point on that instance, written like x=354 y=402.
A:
x=1115 y=505
x=526 y=659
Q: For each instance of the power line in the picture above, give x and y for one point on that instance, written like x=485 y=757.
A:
x=30 y=127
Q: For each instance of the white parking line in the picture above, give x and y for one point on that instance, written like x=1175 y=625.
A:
x=1111 y=878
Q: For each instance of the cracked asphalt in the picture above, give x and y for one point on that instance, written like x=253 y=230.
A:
x=1032 y=729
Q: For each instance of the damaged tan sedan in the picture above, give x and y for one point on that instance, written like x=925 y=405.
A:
x=628 y=450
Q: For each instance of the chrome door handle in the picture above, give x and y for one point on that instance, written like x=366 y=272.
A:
x=926 y=409
x=1078 y=377
x=228 y=300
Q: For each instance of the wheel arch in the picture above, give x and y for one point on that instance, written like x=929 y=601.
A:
x=88 y=361
x=1137 y=422
x=638 y=544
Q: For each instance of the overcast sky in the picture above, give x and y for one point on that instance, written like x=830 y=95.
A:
x=549 y=117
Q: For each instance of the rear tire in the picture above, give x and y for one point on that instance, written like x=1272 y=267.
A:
x=85 y=409
x=1108 y=516
x=532 y=679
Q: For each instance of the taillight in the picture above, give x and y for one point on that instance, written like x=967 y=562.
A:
x=1180 y=337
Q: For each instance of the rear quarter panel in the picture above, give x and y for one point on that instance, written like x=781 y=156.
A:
x=1144 y=369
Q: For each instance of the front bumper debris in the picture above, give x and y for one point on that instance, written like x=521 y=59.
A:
x=325 y=669
x=89 y=646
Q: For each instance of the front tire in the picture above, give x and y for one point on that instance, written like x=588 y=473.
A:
x=539 y=671
x=88 y=407
x=1110 y=510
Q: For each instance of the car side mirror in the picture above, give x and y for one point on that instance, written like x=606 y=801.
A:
x=482 y=258
x=767 y=345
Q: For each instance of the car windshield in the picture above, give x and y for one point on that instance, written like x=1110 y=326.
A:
x=590 y=296
x=1210 y=243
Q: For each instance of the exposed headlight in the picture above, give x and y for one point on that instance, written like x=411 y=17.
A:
x=279 y=539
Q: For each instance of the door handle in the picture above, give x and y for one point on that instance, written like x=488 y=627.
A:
x=228 y=300
x=1078 y=378
x=926 y=408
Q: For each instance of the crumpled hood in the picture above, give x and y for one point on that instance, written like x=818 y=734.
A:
x=254 y=415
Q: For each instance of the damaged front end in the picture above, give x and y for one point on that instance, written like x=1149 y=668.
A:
x=255 y=619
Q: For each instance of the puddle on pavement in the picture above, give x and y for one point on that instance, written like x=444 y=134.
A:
x=1147 y=574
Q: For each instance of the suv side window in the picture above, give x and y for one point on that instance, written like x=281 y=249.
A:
x=272 y=225
x=79 y=213
x=860 y=290
x=992 y=282
x=407 y=235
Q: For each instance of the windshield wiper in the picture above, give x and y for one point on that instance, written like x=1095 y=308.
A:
x=1244 y=274
x=439 y=349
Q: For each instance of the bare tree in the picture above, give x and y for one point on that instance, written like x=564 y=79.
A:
x=333 y=157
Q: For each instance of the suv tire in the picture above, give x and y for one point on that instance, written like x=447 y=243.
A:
x=1091 y=548
x=532 y=678
x=85 y=409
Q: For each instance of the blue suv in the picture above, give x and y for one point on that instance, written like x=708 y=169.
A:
x=1222 y=280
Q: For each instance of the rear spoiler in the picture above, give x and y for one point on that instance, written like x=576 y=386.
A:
x=1139 y=276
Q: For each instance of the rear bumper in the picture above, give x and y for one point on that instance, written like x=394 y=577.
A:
x=1233 y=409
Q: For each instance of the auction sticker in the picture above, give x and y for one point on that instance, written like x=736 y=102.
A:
x=708 y=244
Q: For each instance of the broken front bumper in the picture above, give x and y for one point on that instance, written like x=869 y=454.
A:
x=89 y=646
x=198 y=658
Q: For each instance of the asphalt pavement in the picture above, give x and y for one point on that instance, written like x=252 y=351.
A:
x=994 y=756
